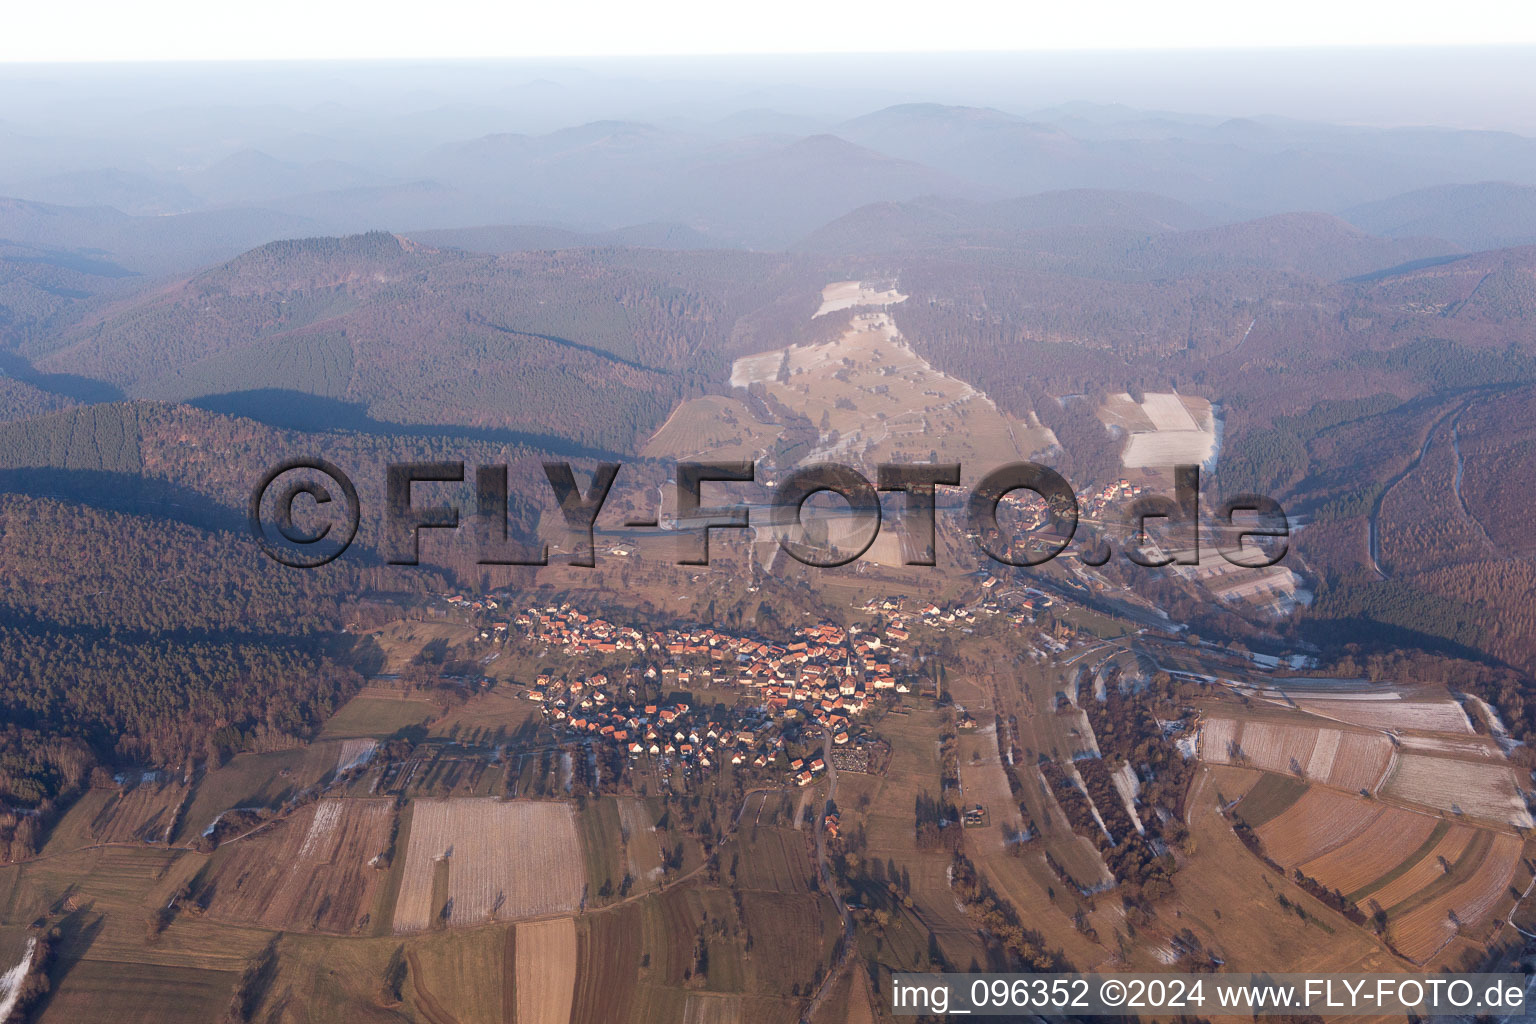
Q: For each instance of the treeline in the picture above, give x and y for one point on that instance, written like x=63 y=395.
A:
x=1126 y=726
x=39 y=775
x=1144 y=874
x=1025 y=947
x=937 y=823
x=163 y=701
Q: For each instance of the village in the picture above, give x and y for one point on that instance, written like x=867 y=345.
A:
x=813 y=686
x=636 y=695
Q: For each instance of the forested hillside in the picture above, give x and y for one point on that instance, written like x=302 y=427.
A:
x=389 y=332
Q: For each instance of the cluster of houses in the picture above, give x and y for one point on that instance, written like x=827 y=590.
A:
x=675 y=732
x=1096 y=504
x=816 y=659
x=821 y=678
x=930 y=616
x=1033 y=512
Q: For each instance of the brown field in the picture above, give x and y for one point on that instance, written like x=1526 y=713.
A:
x=1218 y=739
x=506 y=859
x=1278 y=748
x=256 y=780
x=546 y=971
x=1344 y=759
x=461 y=976
x=1479 y=790
x=1423 y=873
x=1320 y=820
x=714 y=424
x=669 y=924
x=775 y=860
x=642 y=844
x=377 y=713
x=1165 y=428
x=487 y=718
x=983 y=781
x=1362 y=761
x=309 y=873
x=401 y=641
x=861 y=1001
x=1391 y=837
x=711 y=1008
x=1229 y=900
x=791 y=937
x=1420 y=929
x=1265 y=796
x=115 y=888
x=1453 y=746
x=913 y=770
x=847 y=294
x=355 y=753
x=146 y=813
x=1427 y=716
x=608 y=951
x=135 y=993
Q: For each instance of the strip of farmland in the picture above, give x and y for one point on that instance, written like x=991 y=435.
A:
x=507 y=860
x=1344 y=759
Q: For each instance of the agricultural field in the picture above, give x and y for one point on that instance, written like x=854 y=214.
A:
x=791 y=936
x=1452 y=746
x=1478 y=790
x=133 y=993
x=1315 y=820
x=354 y=754
x=147 y=811
x=890 y=824
x=489 y=718
x=1442 y=716
x=982 y=781
x=602 y=843
x=1433 y=878
x=377 y=714
x=1346 y=759
x=461 y=975
x=1266 y=796
x=403 y=640
x=608 y=957
x=1419 y=871
x=709 y=1008
x=1231 y=901
x=1164 y=429
x=1393 y=836
x=1461 y=901
x=504 y=860
x=642 y=842
x=311 y=872
x=545 y=971
x=256 y=781
x=716 y=425
x=847 y=294
x=774 y=860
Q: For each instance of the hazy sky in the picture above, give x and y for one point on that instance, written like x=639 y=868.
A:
x=90 y=30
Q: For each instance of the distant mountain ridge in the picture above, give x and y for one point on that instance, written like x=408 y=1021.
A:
x=1487 y=215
